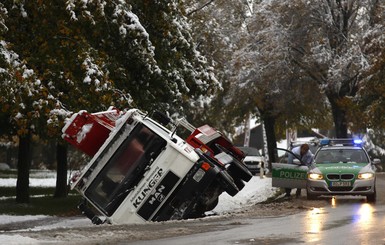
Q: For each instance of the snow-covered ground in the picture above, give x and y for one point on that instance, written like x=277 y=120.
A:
x=256 y=190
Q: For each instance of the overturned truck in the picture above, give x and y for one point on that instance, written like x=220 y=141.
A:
x=141 y=170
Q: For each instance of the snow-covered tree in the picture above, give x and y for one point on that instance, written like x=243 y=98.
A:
x=150 y=54
x=66 y=65
x=187 y=76
x=93 y=54
x=218 y=27
x=300 y=51
x=266 y=81
x=336 y=50
x=370 y=102
x=24 y=100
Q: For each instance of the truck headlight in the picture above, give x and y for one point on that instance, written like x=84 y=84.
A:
x=313 y=176
x=365 y=176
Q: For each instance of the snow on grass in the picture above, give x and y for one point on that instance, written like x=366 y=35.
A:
x=33 y=182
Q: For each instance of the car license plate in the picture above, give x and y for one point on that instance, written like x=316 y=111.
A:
x=342 y=183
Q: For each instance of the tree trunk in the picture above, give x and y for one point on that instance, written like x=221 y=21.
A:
x=269 y=123
x=23 y=167
x=9 y=156
x=50 y=156
x=61 y=178
x=339 y=118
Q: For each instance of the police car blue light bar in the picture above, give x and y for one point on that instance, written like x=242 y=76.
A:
x=358 y=141
x=327 y=141
x=324 y=141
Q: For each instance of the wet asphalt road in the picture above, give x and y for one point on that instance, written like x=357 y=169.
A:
x=343 y=220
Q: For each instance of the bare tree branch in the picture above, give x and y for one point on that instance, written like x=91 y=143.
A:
x=200 y=8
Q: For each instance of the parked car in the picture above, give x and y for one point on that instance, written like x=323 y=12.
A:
x=253 y=160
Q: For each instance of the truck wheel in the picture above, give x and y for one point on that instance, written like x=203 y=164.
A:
x=200 y=209
x=227 y=183
x=212 y=205
x=240 y=170
x=237 y=169
x=239 y=183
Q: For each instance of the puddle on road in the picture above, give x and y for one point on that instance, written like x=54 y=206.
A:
x=319 y=219
x=269 y=241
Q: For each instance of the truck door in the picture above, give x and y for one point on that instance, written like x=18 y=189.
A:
x=288 y=175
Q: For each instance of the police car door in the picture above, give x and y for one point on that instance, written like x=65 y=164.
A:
x=288 y=175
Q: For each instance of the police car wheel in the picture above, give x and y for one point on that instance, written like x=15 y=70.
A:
x=372 y=197
x=310 y=196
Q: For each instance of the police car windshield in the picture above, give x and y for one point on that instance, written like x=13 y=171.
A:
x=341 y=155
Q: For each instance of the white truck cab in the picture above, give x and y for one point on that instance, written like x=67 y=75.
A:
x=141 y=171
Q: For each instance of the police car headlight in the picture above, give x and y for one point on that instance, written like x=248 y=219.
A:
x=365 y=176
x=313 y=176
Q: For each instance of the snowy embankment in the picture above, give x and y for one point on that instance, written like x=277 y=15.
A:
x=255 y=191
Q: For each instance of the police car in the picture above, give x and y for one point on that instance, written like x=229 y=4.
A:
x=341 y=167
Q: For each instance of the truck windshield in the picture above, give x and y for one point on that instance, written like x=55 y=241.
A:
x=125 y=168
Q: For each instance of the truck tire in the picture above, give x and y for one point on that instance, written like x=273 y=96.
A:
x=200 y=209
x=239 y=183
x=227 y=183
x=239 y=170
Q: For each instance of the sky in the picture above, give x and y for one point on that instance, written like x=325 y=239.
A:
x=256 y=190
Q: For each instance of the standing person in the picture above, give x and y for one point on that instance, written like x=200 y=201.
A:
x=302 y=152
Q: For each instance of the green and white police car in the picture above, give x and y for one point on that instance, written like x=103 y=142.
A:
x=341 y=167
